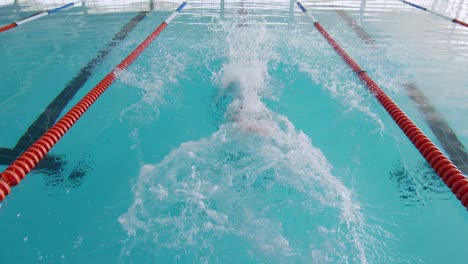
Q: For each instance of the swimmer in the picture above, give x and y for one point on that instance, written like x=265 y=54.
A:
x=254 y=127
x=249 y=123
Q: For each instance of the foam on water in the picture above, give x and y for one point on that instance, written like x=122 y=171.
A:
x=152 y=82
x=256 y=190
x=331 y=73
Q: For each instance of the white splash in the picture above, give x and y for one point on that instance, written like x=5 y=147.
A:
x=331 y=73
x=256 y=189
x=153 y=82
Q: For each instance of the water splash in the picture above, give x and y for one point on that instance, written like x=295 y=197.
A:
x=256 y=190
x=153 y=81
x=331 y=73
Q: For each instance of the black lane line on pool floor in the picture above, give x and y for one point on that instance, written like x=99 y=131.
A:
x=50 y=162
x=50 y=115
x=438 y=125
x=355 y=26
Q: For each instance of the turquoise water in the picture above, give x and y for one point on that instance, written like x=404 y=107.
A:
x=236 y=137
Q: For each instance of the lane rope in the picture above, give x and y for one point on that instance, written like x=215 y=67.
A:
x=439 y=126
x=31 y=157
x=52 y=112
x=37 y=16
x=447 y=171
x=454 y=20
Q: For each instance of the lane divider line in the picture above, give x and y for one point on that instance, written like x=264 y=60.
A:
x=454 y=20
x=52 y=112
x=14 y=173
x=48 y=117
x=36 y=16
x=438 y=125
x=447 y=171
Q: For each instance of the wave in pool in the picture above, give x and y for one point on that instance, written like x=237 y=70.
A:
x=256 y=190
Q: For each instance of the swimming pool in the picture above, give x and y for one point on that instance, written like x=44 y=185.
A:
x=238 y=135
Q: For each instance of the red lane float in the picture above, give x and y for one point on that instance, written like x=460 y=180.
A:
x=8 y=27
x=31 y=157
x=460 y=22
x=447 y=171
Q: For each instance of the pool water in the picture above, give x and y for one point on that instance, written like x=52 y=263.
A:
x=238 y=136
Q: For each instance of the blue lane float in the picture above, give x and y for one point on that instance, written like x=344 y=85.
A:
x=454 y=20
x=37 y=16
